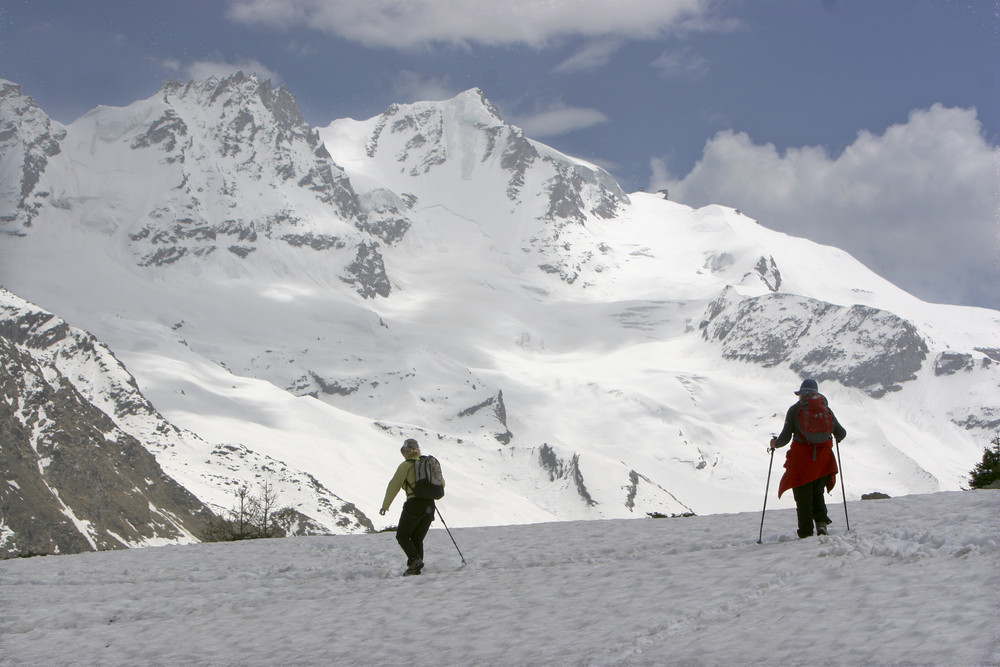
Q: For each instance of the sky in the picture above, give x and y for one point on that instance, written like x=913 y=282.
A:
x=871 y=125
x=908 y=584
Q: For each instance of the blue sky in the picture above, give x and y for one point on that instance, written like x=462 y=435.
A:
x=872 y=125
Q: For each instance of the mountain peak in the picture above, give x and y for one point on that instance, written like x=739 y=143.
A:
x=522 y=312
x=473 y=100
x=466 y=138
x=28 y=138
x=239 y=90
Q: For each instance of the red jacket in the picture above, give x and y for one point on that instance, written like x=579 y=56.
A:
x=806 y=462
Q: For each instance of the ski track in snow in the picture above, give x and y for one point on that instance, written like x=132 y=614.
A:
x=915 y=581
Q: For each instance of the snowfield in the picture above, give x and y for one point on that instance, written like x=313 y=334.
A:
x=915 y=581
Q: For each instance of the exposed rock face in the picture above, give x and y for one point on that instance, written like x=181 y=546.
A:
x=234 y=166
x=229 y=141
x=386 y=215
x=225 y=163
x=467 y=139
x=858 y=346
x=28 y=138
x=949 y=363
x=73 y=480
x=495 y=407
x=367 y=272
x=632 y=489
x=558 y=468
x=769 y=273
x=78 y=476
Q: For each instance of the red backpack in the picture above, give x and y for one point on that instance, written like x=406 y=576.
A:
x=814 y=419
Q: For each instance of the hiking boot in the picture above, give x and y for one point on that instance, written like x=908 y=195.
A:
x=821 y=527
x=414 y=568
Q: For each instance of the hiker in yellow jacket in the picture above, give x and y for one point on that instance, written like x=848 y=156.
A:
x=418 y=513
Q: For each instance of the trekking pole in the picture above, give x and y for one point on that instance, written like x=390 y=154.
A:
x=767 y=487
x=843 y=490
x=450 y=535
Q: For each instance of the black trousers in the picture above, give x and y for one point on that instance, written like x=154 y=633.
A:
x=810 y=506
x=414 y=522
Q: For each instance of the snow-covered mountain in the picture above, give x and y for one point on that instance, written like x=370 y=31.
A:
x=311 y=296
x=79 y=440
x=74 y=481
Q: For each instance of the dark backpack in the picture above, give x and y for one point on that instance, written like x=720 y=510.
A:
x=814 y=419
x=430 y=482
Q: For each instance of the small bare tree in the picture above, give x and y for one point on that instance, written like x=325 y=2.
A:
x=285 y=519
x=252 y=517
x=243 y=514
x=267 y=502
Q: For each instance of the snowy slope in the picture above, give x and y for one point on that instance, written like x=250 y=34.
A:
x=211 y=472
x=570 y=351
x=914 y=582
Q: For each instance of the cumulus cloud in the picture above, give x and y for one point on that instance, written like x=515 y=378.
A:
x=558 y=120
x=407 y=24
x=917 y=204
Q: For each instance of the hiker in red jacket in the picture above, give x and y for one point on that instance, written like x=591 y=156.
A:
x=810 y=465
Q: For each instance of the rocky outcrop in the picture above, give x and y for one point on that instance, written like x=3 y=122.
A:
x=496 y=413
x=367 y=272
x=465 y=139
x=74 y=481
x=858 y=346
x=81 y=449
x=226 y=164
x=28 y=139
x=558 y=468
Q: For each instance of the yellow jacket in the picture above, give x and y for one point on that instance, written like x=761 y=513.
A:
x=406 y=476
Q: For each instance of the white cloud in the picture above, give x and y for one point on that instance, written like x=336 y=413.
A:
x=171 y=64
x=303 y=49
x=682 y=64
x=660 y=177
x=411 y=86
x=917 y=204
x=593 y=55
x=204 y=69
x=406 y=24
x=558 y=120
